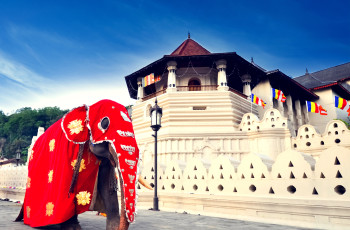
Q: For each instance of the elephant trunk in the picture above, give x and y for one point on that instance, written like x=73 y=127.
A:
x=123 y=224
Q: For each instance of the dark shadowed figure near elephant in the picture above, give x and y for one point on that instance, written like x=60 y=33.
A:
x=72 y=169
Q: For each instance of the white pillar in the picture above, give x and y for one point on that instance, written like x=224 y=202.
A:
x=290 y=113
x=222 y=80
x=298 y=110
x=306 y=114
x=246 y=79
x=139 y=89
x=280 y=107
x=171 y=76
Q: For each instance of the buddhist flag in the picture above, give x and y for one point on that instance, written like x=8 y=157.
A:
x=278 y=95
x=341 y=103
x=157 y=78
x=257 y=100
x=315 y=108
x=149 y=79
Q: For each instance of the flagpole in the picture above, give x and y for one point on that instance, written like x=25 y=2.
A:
x=251 y=104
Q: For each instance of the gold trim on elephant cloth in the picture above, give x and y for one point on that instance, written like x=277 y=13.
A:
x=83 y=198
x=82 y=165
x=52 y=145
x=28 y=211
x=31 y=155
x=75 y=127
x=28 y=182
x=49 y=209
x=50 y=175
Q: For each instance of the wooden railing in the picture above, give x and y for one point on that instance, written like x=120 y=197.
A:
x=237 y=92
x=160 y=92
x=193 y=88
x=197 y=88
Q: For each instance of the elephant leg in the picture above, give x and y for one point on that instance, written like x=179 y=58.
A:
x=71 y=224
x=109 y=197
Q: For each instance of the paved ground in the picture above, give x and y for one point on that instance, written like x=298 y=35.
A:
x=145 y=220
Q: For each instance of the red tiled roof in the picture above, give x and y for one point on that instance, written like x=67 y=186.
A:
x=189 y=48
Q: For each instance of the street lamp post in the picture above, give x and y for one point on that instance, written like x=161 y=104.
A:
x=18 y=155
x=156 y=117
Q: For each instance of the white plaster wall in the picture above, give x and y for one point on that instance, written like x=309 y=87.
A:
x=264 y=91
x=207 y=76
x=327 y=101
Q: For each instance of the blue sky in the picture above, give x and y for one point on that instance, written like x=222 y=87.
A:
x=67 y=53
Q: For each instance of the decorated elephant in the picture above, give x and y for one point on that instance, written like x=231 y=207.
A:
x=72 y=169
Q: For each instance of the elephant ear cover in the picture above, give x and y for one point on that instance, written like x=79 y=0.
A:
x=109 y=121
x=74 y=125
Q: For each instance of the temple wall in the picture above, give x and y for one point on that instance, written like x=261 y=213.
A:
x=255 y=173
x=295 y=189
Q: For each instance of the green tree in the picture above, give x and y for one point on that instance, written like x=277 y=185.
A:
x=17 y=130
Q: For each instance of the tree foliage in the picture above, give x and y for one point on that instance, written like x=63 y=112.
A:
x=17 y=130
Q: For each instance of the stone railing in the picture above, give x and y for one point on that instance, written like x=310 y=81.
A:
x=13 y=177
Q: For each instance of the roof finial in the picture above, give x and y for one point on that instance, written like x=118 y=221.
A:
x=306 y=71
x=189 y=35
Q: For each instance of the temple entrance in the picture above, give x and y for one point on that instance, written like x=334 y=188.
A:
x=194 y=84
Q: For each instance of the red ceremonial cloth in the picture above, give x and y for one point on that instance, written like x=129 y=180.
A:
x=55 y=153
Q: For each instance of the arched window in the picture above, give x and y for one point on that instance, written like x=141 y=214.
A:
x=194 y=84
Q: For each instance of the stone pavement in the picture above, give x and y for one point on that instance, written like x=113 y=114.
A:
x=145 y=220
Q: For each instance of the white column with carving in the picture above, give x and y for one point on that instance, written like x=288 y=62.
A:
x=246 y=79
x=222 y=80
x=139 y=89
x=171 y=76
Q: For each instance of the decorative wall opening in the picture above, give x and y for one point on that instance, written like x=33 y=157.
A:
x=336 y=162
x=291 y=189
x=220 y=187
x=339 y=189
x=252 y=188
x=338 y=175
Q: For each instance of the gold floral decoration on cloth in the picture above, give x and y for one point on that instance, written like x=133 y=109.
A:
x=31 y=155
x=52 y=145
x=28 y=211
x=49 y=209
x=83 y=198
x=50 y=175
x=82 y=165
x=75 y=126
x=28 y=182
